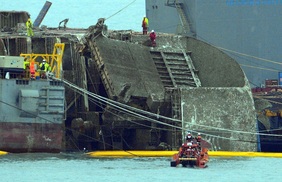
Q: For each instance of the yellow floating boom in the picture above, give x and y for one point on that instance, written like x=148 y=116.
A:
x=3 y=152
x=171 y=153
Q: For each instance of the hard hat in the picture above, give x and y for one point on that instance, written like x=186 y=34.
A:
x=29 y=19
x=153 y=31
x=44 y=60
x=189 y=135
x=199 y=134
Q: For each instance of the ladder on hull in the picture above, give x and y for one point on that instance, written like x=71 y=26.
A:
x=183 y=18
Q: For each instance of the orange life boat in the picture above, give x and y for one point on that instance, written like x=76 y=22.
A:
x=191 y=154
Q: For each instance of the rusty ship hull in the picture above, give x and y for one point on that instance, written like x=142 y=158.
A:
x=31 y=137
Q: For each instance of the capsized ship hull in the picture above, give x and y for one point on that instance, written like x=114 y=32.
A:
x=180 y=80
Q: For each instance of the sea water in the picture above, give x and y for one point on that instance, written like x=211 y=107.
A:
x=79 y=167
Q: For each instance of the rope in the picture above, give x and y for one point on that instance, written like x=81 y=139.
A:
x=120 y=10
x=122 y=107
x=246 y=55
x=133 y=111
x=259 y=68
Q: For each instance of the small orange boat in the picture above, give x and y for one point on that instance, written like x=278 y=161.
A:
x=192 y=153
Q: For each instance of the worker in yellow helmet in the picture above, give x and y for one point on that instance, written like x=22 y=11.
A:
x=29 y=27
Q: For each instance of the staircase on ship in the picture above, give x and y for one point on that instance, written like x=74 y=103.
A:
x=177 y=71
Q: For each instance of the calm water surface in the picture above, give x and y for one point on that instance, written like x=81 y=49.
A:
x=80 y=167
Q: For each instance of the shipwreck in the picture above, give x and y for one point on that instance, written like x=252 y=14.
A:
x=121 y=93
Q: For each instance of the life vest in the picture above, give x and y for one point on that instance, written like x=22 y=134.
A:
x=45 y=67
x=32 y=68
x=145 y=22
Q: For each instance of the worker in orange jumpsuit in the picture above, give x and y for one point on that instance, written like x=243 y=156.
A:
x=32 y=70
x=153 y=36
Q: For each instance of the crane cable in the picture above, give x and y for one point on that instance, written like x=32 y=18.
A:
x=121 y=10
x=245 y=55
x=134 y=111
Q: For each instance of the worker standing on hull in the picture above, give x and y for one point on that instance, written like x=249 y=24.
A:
x=145 y=25
x=153 y=36
x=29 y=27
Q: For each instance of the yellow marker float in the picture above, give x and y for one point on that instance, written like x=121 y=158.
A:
x=121 y=153
x=3 y=152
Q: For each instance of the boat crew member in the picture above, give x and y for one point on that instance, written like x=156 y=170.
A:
x=145 y=25
x=199 y=139
x=29 y=27
x=153 y=36
x=189 y=138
